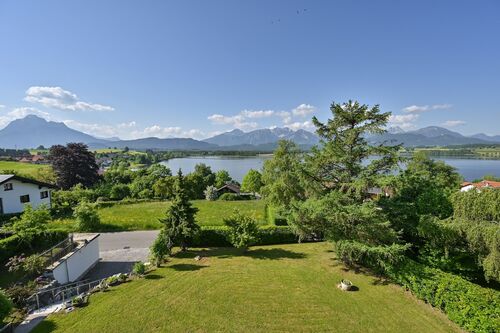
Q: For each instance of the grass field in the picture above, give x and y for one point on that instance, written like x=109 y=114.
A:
x=26 y=169
x=286 y=288
x=145 y=215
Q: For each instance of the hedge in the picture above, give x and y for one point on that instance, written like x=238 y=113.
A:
x=474 y=308
x=268 y=235
x=12 y=245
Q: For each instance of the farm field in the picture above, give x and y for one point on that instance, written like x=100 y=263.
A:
x=145 y=215
x=26 y=169
x=268 y=289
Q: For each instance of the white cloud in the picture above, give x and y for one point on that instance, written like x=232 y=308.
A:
x=58 y=98
x=454 y=123
x=441 y=106
x=2 y=106
x=405 y=121
x=129 y=130
x=165 y=132
x=286 y=116
x=257 y=114
x=306 y=125
x=237 y=121
x=303 y=110
x=424 y=108
x=127 y=125
x=241 y=120
x=99 y=130
x=24 y=111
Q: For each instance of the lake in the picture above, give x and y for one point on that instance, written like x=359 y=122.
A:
x=238 y=166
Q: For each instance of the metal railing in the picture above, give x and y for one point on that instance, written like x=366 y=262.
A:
x=43 y=298
x=58 y=251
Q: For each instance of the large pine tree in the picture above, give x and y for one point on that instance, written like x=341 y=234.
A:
x=341 y=170
x=345 y=160
x=179 y=223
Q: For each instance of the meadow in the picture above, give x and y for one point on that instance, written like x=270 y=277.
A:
x=23 y=169
x=145 y=215
x=267 y=289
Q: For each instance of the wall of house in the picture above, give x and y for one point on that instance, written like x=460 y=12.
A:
x=11 y=201
x=74 y=266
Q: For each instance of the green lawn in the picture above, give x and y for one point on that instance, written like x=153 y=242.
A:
x=26 y=169
x=286 y=288
x=145 y=215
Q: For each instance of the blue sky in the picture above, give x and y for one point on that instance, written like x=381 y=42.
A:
x=195 y=68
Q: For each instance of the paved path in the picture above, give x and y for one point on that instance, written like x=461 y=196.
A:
x=120 y=250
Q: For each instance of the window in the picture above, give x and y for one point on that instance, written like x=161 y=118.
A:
x=7 y=187
x=44 y=194
x=25 y=198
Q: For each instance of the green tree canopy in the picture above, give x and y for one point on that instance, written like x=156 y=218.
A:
x=221 y=178
x=252 y=182
x=283 y=176
x=198 y=180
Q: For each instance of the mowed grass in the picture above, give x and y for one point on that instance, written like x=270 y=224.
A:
x=145 y=215
x=285 y=288
x=26 y=169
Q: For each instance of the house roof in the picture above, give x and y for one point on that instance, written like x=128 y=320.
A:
x=484 y=183
x=5 y=178
x=230 y=186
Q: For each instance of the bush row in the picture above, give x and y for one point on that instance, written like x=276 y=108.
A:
x=268 y=235
x=13 y=245
x=471 y=306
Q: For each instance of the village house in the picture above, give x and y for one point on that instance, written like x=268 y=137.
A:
x=467 y=186
x=229 y=188
x=17 y=191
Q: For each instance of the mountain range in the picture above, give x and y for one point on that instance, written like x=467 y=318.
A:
x=33 y=131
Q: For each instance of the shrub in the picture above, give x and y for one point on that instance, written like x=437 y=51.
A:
x=229 y=197
x=139 y=268
x=160 y=249
x=63 y=202
x=474 y=308
x=119 y=192
x=31 y=223
x=79 y=301
x=34 y=265
x=211 y=193
x=87 y=218
x=13 y=245
x=19 y=293
x=243 y=230
x=5 y=306
x=380 y=258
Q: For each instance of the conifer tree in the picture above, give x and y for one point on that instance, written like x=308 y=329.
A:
x=179 y=223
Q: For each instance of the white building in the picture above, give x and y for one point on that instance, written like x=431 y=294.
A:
x=16 y=191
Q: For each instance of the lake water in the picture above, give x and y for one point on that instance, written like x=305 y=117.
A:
x=238 y=166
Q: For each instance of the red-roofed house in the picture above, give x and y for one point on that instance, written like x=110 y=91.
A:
x=467 y=186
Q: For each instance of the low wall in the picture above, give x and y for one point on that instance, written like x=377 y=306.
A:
x=75 y=264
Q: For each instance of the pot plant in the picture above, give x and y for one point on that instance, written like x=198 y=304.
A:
x=345 y=284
